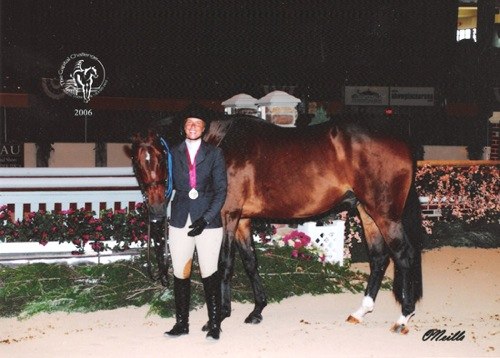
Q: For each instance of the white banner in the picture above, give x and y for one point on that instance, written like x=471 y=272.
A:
x=412 y=96
x=366 y=96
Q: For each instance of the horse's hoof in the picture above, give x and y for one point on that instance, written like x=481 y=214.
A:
x=352 y=319
x=254 y=318
x=400 y=328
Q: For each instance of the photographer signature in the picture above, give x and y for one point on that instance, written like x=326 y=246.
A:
x=441 y=335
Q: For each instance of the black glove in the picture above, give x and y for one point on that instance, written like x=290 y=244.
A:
x=198 y=226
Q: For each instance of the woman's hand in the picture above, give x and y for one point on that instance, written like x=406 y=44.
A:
x=198 y=226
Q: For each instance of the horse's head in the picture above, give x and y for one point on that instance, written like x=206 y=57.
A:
x=92 y=72
x=150 y=160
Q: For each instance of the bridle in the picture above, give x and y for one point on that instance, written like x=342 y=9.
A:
x=168 y=193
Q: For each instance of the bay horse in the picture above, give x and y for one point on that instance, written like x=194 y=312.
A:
x=284 y=173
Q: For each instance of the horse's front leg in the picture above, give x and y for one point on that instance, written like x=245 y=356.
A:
x=226 y=267
x=158 y=232
x=162 y=263
x=249 y=258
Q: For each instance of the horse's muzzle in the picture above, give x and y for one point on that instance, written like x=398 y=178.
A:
x=157 y=212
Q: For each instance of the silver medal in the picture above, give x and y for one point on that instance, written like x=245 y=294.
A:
x=193 y=194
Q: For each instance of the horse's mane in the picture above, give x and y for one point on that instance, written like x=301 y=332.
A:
x=245 y=129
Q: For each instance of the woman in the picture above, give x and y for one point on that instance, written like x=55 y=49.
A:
x=200 y=183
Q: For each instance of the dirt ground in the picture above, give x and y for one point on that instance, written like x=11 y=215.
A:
x=461 y=297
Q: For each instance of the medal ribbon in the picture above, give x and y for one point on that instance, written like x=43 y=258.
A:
x=192 y=170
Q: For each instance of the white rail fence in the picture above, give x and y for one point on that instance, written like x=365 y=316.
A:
x=26 y=190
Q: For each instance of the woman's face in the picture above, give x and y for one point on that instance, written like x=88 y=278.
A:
x=194 y=127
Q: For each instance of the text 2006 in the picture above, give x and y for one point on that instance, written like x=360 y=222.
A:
x=83 y=112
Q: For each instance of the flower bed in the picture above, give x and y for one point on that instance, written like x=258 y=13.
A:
x=468 y=194
x=78 y=227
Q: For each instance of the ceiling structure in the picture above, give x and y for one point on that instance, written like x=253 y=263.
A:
x=161 y=49
x=179 y=49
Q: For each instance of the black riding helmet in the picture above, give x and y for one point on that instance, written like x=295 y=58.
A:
x=195 y=110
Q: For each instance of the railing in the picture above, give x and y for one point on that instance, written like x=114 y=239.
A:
x=25 y=190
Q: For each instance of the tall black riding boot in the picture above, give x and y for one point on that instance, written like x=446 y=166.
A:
x=211 y=285
x=182 y=293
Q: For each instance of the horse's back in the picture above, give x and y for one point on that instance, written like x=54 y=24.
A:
x=291 y=172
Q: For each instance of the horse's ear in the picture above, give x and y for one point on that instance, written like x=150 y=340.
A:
x=127 y=149
x=136 y=138
x=152 y=134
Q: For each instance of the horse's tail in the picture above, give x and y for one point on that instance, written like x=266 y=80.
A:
x=414 y=233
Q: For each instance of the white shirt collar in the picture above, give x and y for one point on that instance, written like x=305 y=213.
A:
x=193 y=146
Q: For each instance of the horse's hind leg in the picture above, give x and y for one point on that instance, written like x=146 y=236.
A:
x=407 y=272
x=249 y=258
x=405 y=283
x=379 y=260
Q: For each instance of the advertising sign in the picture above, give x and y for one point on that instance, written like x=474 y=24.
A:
x=366 y=96
x=11 y=154
x=412 y=96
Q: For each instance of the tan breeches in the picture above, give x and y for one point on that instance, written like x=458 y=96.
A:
x=182 y=246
